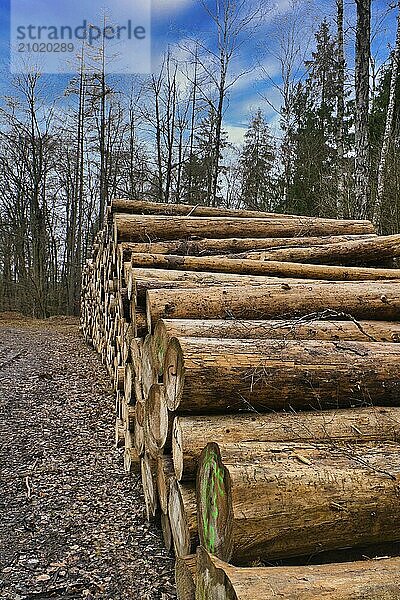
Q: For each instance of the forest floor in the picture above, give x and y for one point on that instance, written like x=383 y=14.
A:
x=72 y=523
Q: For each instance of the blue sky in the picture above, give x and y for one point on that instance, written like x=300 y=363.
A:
x=180 y=21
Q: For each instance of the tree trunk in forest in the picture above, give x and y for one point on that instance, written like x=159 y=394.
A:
x=366 y=580
x=341 y=77
x=362 y=300
x=362 y=158
x=296 y=500
x=349 y=426
x=388 y=126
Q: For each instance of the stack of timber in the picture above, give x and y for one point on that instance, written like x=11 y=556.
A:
x=255 y=359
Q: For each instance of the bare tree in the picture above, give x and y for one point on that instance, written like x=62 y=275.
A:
x=362 y=151
x=389 y=123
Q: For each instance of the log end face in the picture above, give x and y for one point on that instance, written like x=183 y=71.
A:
x=177 y=518
x=177 y=448
x=212 y=582
x=174 y=374
x=157 y=416
x=214 y=504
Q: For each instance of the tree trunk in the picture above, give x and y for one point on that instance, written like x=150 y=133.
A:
x=268 y=268
x=362 y=157
x=205 y=376
x=350 y=426
x=366 y=580
x=182 y=517
x=297 y=500
x=390 y=114
x=135 y=228
x=341 y=107
x=361 y=300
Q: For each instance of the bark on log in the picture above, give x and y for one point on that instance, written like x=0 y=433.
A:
x=351 y=425
x=372 y=331
x=212 y=247
x=362 y=300
x=363 y=580
x=358 y=252
x=182 y=517
x=297 y=499
x=205 y=376
x=267 y=268
x=140 y=207
x=133 y=228
x=186 y=576
x=150 y=279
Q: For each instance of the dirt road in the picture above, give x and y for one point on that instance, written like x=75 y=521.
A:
x=72 y=524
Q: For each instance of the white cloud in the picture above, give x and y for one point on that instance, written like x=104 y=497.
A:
x=235 y=133
x=165 y=6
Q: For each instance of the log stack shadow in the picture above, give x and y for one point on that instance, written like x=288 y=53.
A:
x=255 y=360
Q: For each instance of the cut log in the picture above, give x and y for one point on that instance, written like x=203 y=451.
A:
x=356 y=252
x=363 y=580
x=267 y=268
x=143 y=207
x=149 y=368
x=158 y=425
x=139 y=427
x=166 y=531
x=119 y=433
x=148 y=467
x=205 y=376
x=135 y=228
x=362 y=300
x=165 y=478
x=357 y=425
x=150 y=279
x=295 y=329
x=182 y=517
x=186 y=576
x=229 y=245
x=131 y=461
x=297 y=499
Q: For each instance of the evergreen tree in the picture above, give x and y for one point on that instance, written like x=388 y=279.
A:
x=258 y=158
x=314 y=185
x=199 y=170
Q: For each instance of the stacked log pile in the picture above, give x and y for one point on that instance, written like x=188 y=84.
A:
x=255 y=360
